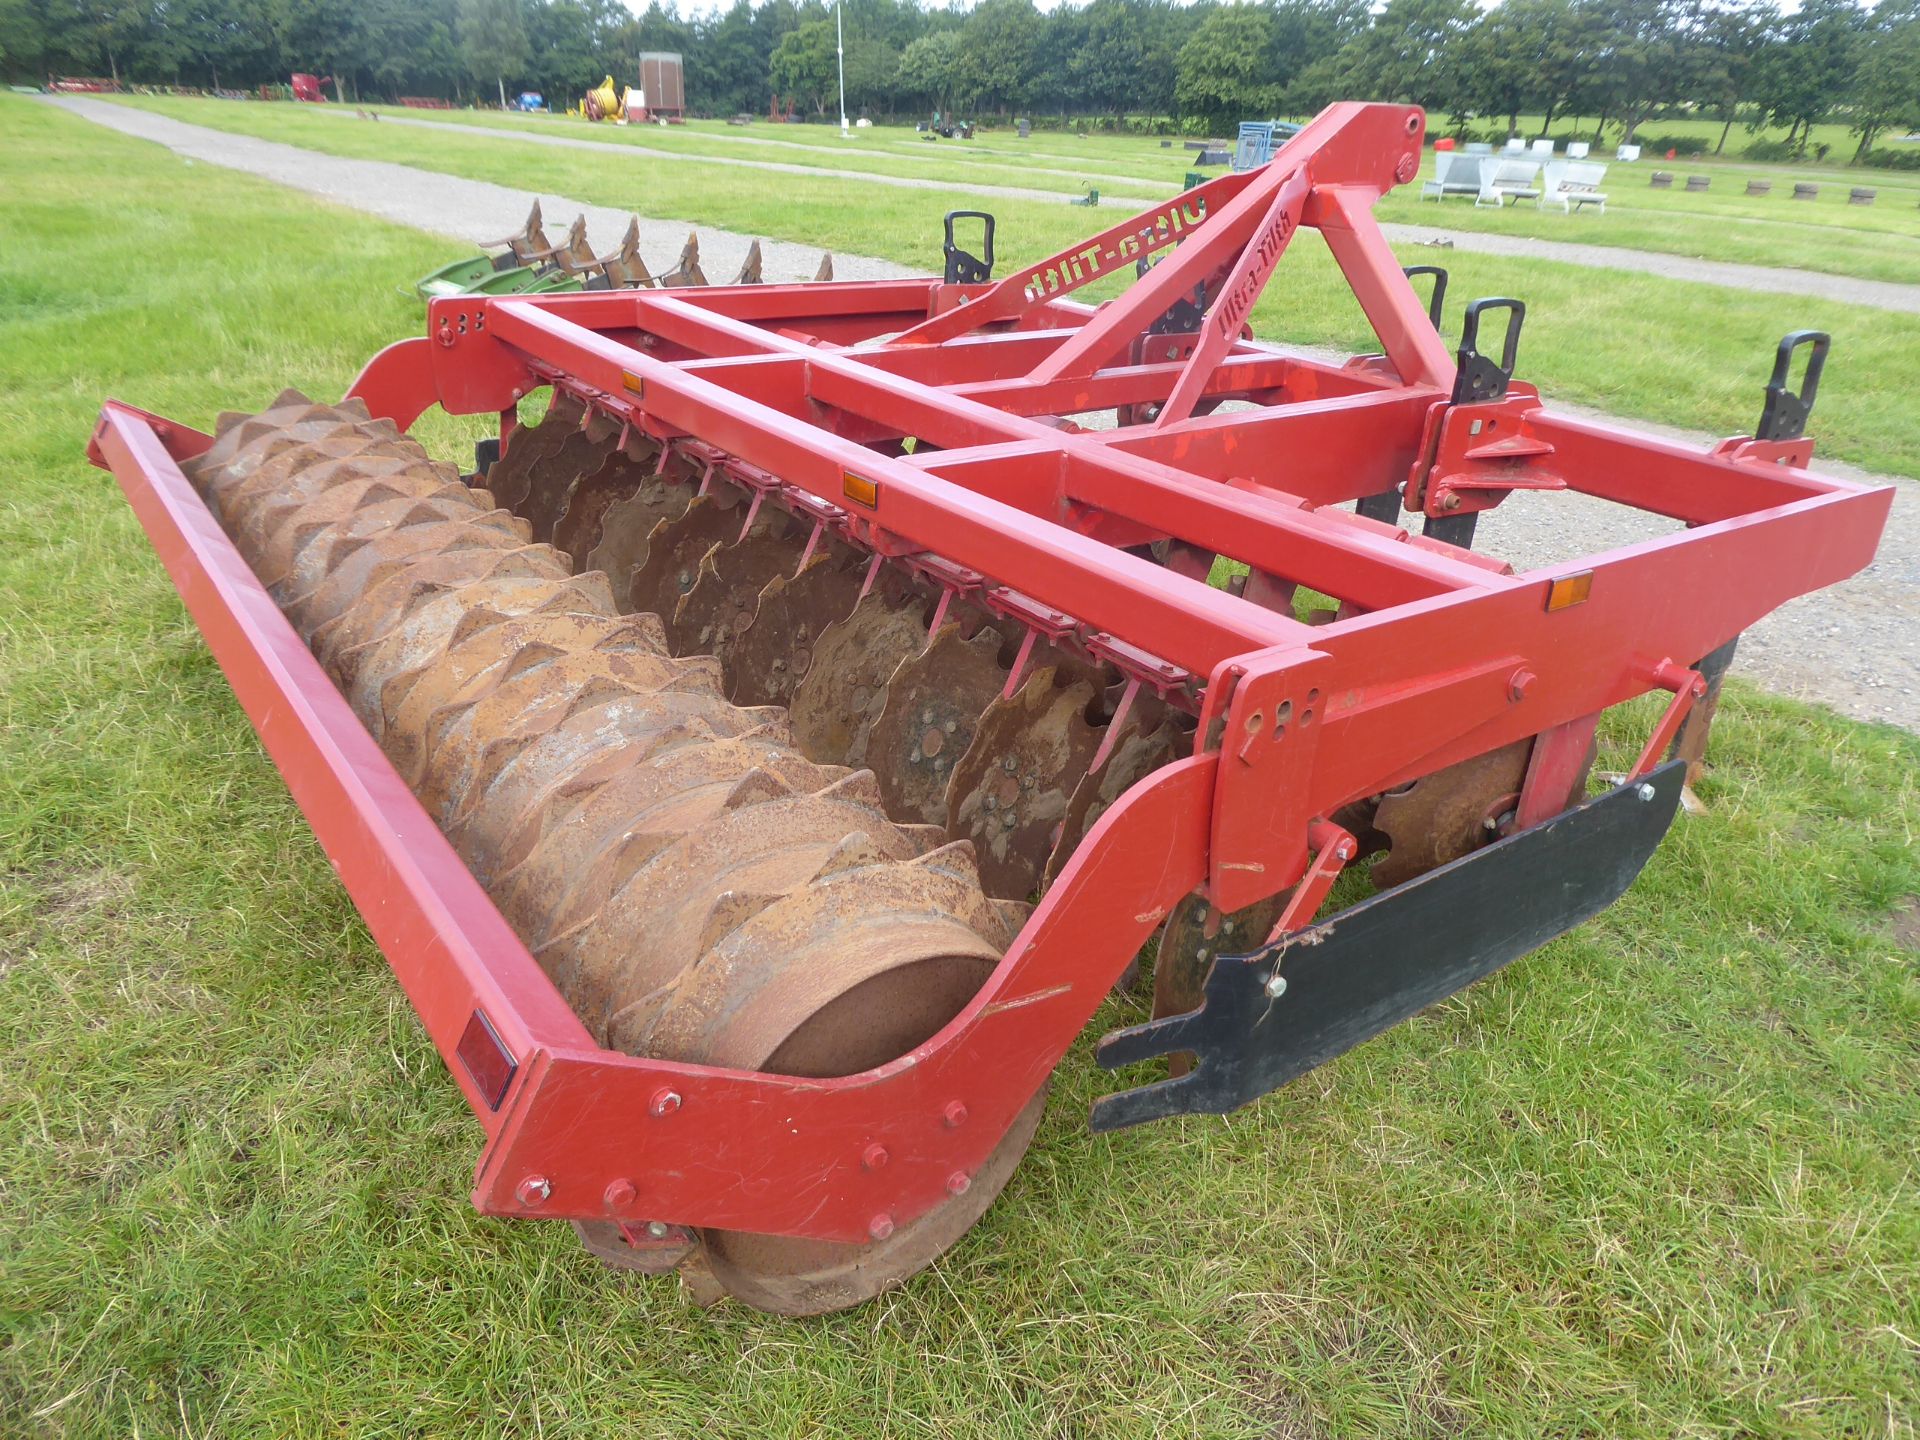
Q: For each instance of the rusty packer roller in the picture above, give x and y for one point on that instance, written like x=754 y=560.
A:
x=762 y=767
x=694 y=886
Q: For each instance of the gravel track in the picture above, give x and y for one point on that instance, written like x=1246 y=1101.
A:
x=1855 y=647
x=1771 y=280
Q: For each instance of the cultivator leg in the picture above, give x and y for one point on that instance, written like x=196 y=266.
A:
x=694 y=885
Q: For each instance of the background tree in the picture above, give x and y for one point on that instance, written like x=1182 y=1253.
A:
x=999 y=55
x=1886 y=86
x=493 y=40
x=1223 y=77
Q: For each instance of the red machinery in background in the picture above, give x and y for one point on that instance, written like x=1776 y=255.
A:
x=927 y=449
x=307 y=88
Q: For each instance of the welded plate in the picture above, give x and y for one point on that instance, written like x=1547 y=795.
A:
x=933 y=705
x=1009 y=794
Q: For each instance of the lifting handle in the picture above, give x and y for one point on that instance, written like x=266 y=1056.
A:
x=1478 y=378
x=1438 y=299
x=1786 y=414
x=963 y=268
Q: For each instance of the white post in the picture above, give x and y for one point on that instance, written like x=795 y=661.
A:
x=840 y=48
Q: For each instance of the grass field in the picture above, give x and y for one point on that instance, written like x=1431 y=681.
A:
x=1655 y=1181
x=1881 y=242
x=1680 y=353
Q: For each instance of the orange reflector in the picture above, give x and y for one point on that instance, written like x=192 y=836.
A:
x=1570 y=590
x=858 y=487
x=632 y=383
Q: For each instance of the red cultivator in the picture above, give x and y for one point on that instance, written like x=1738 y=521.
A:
x=761 y=771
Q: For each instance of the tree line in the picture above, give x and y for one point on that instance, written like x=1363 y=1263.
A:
x=1195 y=67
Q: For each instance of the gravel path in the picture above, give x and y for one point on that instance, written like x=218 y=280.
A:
x=1855 y=647
x=618 y=147
x=956 y=151
x=1876 y=294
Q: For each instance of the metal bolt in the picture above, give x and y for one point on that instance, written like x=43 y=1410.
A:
x=657 y=1229
x=1276 y=985
x=959 y=1183
x=533 y=1190
x=1452 y=502
x=874 y=1157
x=1518 y=684
x=665 y=1102
x=880 y=1227
x=1009 y=764
x=1645 y=791
x=620 y=1194
x=955 y=1115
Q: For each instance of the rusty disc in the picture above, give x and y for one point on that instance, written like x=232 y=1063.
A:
x=627 y=523
x=726 y=591
x=551 y=480
x=1196 y=933
x=1009 y=794
x=673 y=555
x=1447 y=814
x=1147 y=742
x=933 y=702
x=836 y=701
x=774 y=651
x=509 y=477
x=623 y=473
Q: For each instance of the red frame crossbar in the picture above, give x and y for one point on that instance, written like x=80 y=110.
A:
x=807 y=392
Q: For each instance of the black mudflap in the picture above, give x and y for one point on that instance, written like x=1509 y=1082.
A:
x=1271 y=1016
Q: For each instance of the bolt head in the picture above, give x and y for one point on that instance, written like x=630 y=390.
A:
x=533 y=1190
x=1519 y=683
x=959 y=1183
x=955 y=1115
x=1276 y=985
x=881 y=1226
x=657 y=1229
x=664 y=1102
x=1645 y=791
x=620 y=1194
x=874 y=1157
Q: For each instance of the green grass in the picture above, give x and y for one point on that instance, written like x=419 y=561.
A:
x=1655 y=1181
x=1676 y=352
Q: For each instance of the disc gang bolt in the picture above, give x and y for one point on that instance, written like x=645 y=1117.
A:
x=955 y=1115
x=1645 y=791
x=620 y=1194
x=533 y=1190
x=665 y=1102
x=959 y=1183
x=874 y=1157
x=880 y=1227
x=657 y=1229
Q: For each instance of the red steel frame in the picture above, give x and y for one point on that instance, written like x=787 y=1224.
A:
x=1437 y=654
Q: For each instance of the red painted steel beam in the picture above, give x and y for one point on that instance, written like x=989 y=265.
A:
x=1178 y=619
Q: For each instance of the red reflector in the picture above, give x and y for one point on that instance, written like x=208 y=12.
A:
x=487 y=1060
x=1570 y=590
